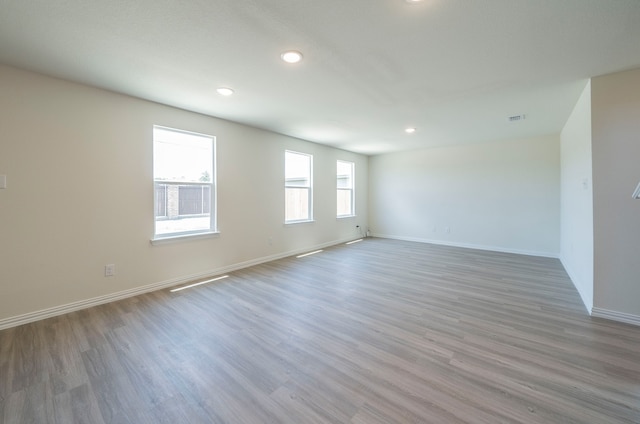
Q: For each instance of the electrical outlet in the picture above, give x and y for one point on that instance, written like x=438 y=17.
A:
x=109 y=270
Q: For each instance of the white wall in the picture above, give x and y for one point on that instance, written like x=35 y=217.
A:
x=501 y=196
x=576 y=204
x=616 y=172
x=78 y=162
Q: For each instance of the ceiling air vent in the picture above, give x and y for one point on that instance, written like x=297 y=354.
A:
x=515 y=118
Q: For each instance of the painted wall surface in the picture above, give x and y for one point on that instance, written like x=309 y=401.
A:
x=78 y=162
x=615 y=111
x=501 y=196
x=576 y=204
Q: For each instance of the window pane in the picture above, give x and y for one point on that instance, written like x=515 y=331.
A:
x=345 y=185
x=297 y=182
x=344 y=202
x=161 y=200
x=297 y=170
x=296 y=204
x=344 y=181
x=193 y=199
x=297 y=175
x=184 y=175
x=345 y=174
x=179 y=156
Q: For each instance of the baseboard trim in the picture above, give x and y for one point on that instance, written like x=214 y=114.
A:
x=470 y=246
x=615 y=316
x=112 y=297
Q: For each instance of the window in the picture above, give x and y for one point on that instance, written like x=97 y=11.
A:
x=297 y=186
x=184 y=179
x=346 y=190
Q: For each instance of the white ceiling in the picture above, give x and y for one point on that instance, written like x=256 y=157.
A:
x=454 y=69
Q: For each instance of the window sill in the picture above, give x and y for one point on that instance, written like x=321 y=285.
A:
x=181 y=237
x=345 y=216
x=306 y=221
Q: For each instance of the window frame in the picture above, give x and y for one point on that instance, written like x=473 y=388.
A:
x=352 y=189
x=212 y=184
x=309 y=189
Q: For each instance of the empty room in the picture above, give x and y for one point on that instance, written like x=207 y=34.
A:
x=363 y=212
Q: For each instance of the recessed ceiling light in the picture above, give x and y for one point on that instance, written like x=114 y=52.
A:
x=291 y=56
x=410 y=130
x=413 y=1
x=224 y=91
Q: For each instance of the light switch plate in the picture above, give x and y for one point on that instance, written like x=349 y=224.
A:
x=3 y=181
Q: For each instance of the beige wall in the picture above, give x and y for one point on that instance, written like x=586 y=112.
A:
x=78 y=162
x=616 y=172
x=503 y=195
x=576 y=205
x=79 y=170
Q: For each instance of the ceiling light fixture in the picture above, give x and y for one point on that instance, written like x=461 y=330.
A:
x=224 y=91
x=413 y=1
x=410 y=130
x=291 y=56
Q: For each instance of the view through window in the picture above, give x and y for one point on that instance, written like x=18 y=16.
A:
x=345 y=187
x=184 y=179
x=297 y=176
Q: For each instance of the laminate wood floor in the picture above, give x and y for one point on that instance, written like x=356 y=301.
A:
x=380 y=331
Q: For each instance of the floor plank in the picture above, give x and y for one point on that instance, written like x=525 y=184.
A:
x=380 y=331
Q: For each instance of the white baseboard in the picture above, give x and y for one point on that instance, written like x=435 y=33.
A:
x=112 y=297
x=470 y=246
x=593 y=311
x=615 y=316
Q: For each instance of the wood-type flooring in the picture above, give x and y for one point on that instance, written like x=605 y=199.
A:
x=380 y=331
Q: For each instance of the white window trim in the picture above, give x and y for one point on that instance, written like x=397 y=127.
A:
x=310 y=188
x=212 y=231
x=300 y=221
x=352 y=213
x=184 y=236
